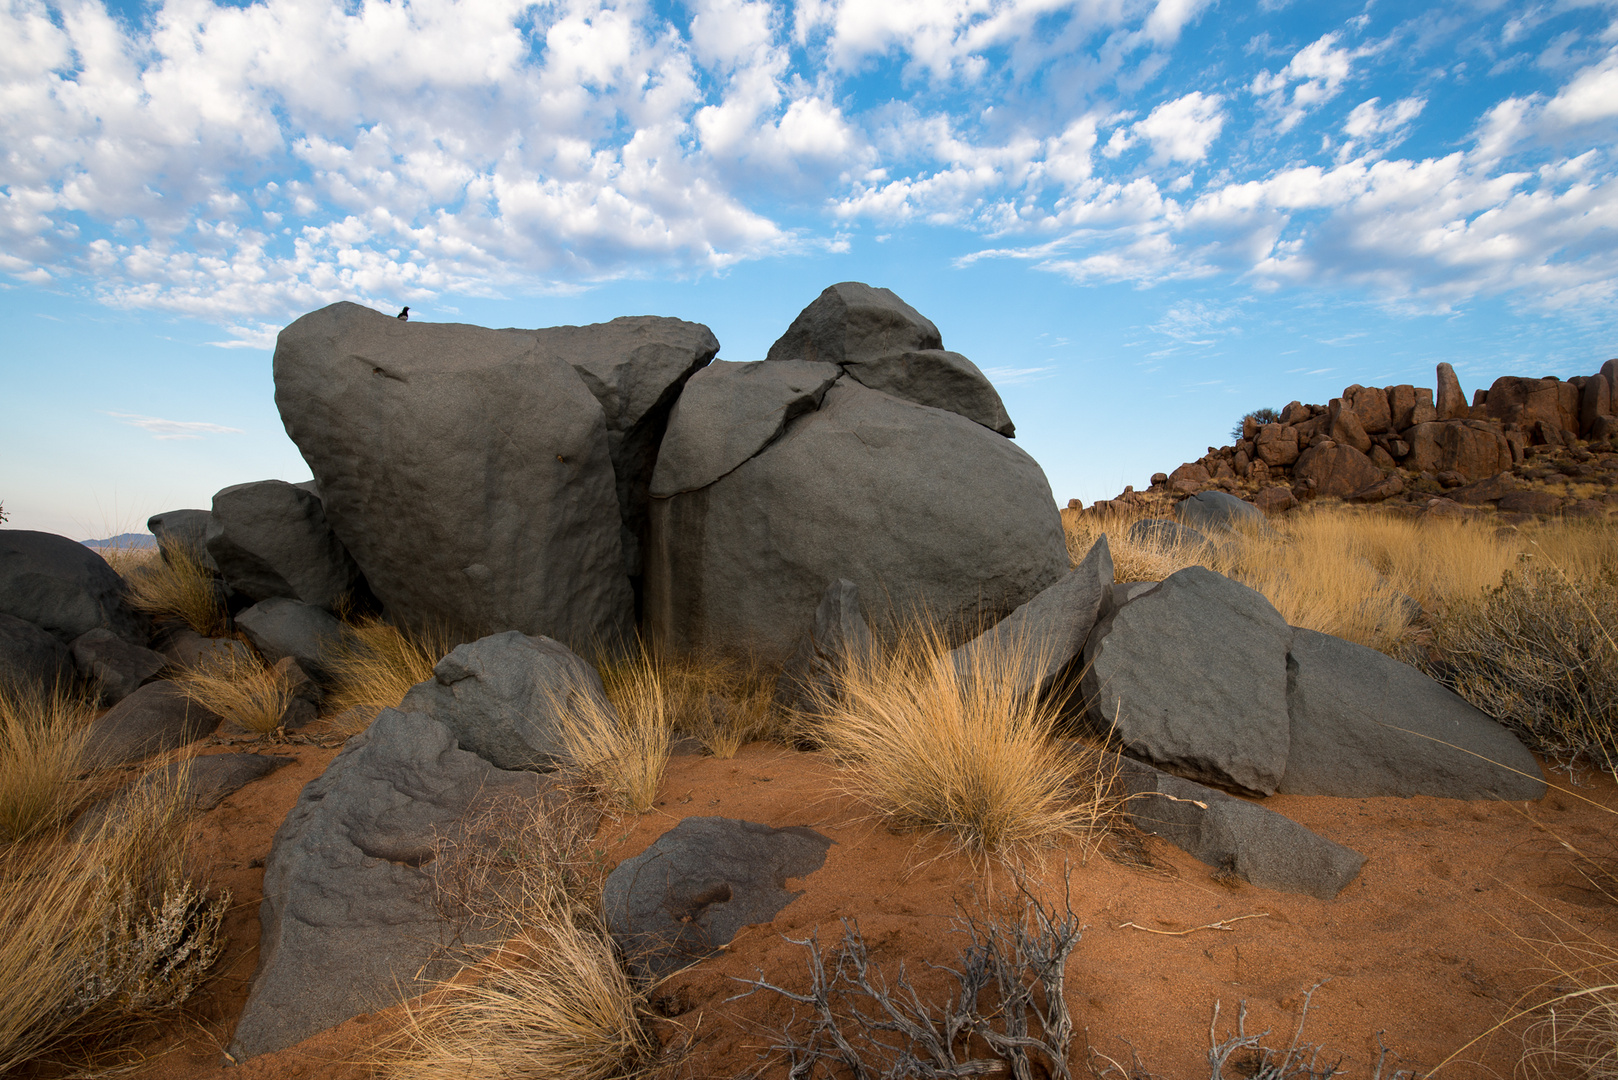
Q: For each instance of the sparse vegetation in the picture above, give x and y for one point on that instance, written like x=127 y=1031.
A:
x=41 y=735
x=375 y=664
x=620 y=747
x=723 y=702
x=934 y=744
x=1264 y=415
x=240 y=688
x=176 y=587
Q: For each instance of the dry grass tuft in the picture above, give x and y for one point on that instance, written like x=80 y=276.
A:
x=177 y=587
x=242 y=689
x=620 y=747
x=375 y=664
x=956 y=748
x=1576 y=1030
x=41 y=736
x=723 y=702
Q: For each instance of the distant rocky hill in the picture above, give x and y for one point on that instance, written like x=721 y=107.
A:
x=123 y=540
x=1524 y=446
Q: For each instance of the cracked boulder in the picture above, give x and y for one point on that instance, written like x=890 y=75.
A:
x=351 y=920
x=685 y=897
x=469 y=472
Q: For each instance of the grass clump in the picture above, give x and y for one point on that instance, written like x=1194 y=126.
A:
x=374 y=664
x=176 y=586
x=41 y=737
x=619 y=745
x=724 y=702
x=934 y=743
x=241 y=688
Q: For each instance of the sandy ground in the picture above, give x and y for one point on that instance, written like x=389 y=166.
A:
x=1436 y=941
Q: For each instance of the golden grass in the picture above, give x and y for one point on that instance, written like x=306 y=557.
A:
x=723 y=702
x=619 y=747
x=939 y=745
x=240 y=688
x=374 y=664
x=41 y=737
x=178 y=587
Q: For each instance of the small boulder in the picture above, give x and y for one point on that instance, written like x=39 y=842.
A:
x=840 y=635
x=114 y=666
x=184 y=648
x=31 y=660
x=1529 y=501
x=183 y=530
x=1343 y=426
x=157 y=717
x=304 y=695
x=1275 y=500
x=498 y=697
x=1337 y=471
x=685 y=897
x=211 y=779
x=1363 y=725
x=280 y=628
x=271 y=539
x=63 y=588
x=1493 y=489
x=944 y=380
x=1277 y=444
x=853 y=323
x=1210 y=511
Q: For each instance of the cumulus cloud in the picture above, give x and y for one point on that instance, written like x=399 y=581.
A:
x=1314 y=75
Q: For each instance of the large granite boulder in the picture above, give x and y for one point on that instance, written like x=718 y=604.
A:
x=498 y=696
x=1519 y=402
x=31 y=661
x=271 y=539
x=183 y=531
x=1475 y=449
x=350 y=920
x=686 y=896
x=1338 y=471
x=917 y=506
x=1364 y=724
x=635 y=366
x=468 y=471
x=281 y=628
x=113 y=666
x=63 y=587
x=1192 y=677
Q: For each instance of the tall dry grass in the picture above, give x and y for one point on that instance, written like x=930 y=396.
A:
x=41 y=739
x=241 y=688
x=939 y=744
x=619 y=747
x=374 y=664
x=177 y=587
x=724 y=702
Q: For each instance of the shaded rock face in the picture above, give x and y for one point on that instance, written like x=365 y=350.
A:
x=30 y=659
x=468 y=471
x=839 y=636
x=63 y=588
x=917 y=506
x=182 y=530
x=1472 y=449
x=281 y=628
x=1338 y=471
x=685 y=897
x=271 y=539
x=113 y=666
x=498 y=696
x=635 y=366
x=1523 y=402
x=350 y=918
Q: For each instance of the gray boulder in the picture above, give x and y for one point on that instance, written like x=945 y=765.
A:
x=944 y=380
x=467 y=472
x=279 y=628
x=114 y=666
x=731 y=411
x=1052 y=627
x=1213 y=511
x=183 y=530
x=498 y=697
x=635 y=366
x=840 y=635
x=1235 y=836
x=31 y=660
x=1191 y=676
x=1364 y=724
x=686 y=896
x=918 y=506
x=155 y=718
x=208 y=781
x=350 y=920
x=271 y=539
x=852 y=323
x=184 y=648
x=63 y=587
x=1161 y=532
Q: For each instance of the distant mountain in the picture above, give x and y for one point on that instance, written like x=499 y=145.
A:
x=123 y=540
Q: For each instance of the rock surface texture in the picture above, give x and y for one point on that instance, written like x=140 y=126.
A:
x=271 y=539
x=839 y=636
x=114 y=666
x=63 y=587
x=155 y=718
x=349 y=917
x=31 y=659
x=685 y=897
x=279 y=628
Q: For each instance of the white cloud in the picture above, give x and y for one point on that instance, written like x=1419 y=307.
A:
x=1183 y=129
x=1314 y=75
x=174 y=429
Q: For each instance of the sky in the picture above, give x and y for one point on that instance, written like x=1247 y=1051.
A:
x=1141 y=218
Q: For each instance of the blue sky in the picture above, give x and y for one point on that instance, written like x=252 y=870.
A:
x=1141 y=217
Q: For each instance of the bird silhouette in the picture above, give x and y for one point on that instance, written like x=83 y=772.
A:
x=404 y=316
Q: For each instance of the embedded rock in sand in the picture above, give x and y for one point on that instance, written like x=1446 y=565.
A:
x=63 y=587
x=31 y=659
x=350 y=918
x=498 y=696
x=1192 y=677
x=113 y=666
x=155 y=718
x=468 y=471
x=271 y=538
x=1364 y=725
x=685 y=897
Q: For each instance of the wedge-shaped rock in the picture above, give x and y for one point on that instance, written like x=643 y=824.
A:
x=185 y=531
x=350 y=920
x=1050 y=630
x=155 y=718
x=731 y=411
x=63 y=587
x=498 y=696
x=1251 y=841
x=1364 y=724
x=850 y=323
x=944 y=380
x=468 y=472
x=920 y=508
x=1192 y=676
x=271 y=539
x=279 y=628
x=685 y=897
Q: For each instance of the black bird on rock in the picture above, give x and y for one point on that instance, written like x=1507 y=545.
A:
x=404 y=316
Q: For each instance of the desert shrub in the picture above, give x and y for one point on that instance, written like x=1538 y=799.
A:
x=41 y=735
x=1264 y=415
x=620 y=747
x=177 y=587
x=374 y=664
x=240 y=688
x=936 y=744
x=1538 y=652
